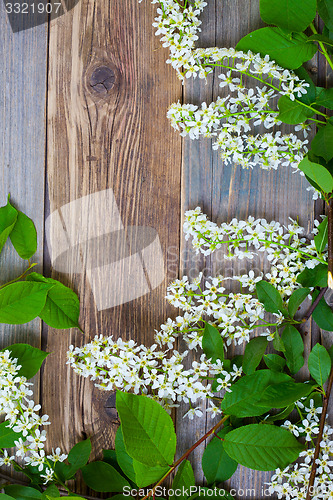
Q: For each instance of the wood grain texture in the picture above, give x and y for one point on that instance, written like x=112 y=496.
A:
x=22 y=159
x=107 y=94
x=225 y=191
x=97 y=140
x=22 y=144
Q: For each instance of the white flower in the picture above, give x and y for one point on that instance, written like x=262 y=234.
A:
x=213 y=410
x=193 y=412
x=57 y=456
x=22 y=415
x=5 y=459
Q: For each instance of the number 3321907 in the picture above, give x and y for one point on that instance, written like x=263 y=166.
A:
x=32 y=8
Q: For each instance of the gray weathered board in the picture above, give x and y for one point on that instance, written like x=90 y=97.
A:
x=65 y=135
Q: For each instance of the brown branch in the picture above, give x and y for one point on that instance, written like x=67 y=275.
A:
x=186 y=454
x=320 y=435
x=330 y=243
x=315 y=303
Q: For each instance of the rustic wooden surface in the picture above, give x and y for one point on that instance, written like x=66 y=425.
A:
x=120 y=140
x=118 y=137
x=224 y=192
x=22 y=145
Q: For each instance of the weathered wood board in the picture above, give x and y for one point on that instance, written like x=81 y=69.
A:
x=23 y=140
x=225 y=191
x=116 y=139
x=91 y=89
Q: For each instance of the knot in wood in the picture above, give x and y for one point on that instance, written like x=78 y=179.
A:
x=102 y=79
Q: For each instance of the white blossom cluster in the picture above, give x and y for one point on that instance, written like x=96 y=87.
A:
x=292 y=482
x=235 y=315
x=287 y=250
x=178 y=26
x=159 y=374
x=22 y=415
x=228 y=120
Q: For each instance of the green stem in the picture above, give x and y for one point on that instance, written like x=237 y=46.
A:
x=315 y=111
x=322 y=46
x=20 y=277
x=242 y=240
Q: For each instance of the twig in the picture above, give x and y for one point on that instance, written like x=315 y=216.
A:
x=186 y=454
x=315 y=303
x=19 y=277
x=320 y=435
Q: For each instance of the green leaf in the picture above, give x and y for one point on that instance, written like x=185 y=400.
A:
x=269 y=296
x=310 y=95
x=24 y=236
x=262 y=447
x=216 y=463
x=79 y=454
x=30 y=358
x=8 y=217
x=77 y=458
x=278 y=343
x=325 y=96
x=293 y=112
x=330 y=352
x=103 y=477
x=253 y=354
x=275 y=362
x=323 y=314
x=321 y=239
x=319 y=364
x=212 y=343
x=287 y=51
x=51 y=492
x=139 y=473
x=313 y=277
x=64 y=471
x=22 y=492
x=322 y=145
x=120 y=496
x=62 y=306
x=183 y=480
x=319 y=174
x=325 y=9
x=291 y=15
x=242 y=401
x=148 y=431
x=7 y=436
x=284 y=394
x=21 y=302
x=3 y=496
x=69 y=497
x=293 y=343
x=282 y=415
x=296 y=299
x=110 y=457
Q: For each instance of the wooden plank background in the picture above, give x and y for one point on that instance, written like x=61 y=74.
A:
x=62 y=137
x=22 y=159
